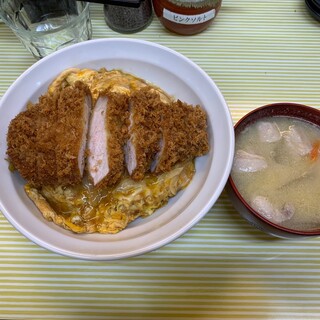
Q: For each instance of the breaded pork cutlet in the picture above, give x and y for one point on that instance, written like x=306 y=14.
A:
x=45 y=120
x=184 y=135
x=144 y=131
x=107 y=135
x=74 y=108
x=30 y=141
x=46 y=143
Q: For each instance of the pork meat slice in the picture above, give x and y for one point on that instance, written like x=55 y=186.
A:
x=144 y=131
x=248 y=162
x=106 y=139
x=184 y=135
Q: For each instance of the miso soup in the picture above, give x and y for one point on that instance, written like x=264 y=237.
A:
x=277 y=171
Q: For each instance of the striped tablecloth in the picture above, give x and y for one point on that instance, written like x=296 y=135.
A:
x=258 y=52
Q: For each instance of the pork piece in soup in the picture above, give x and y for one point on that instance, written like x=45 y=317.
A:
x=277 y=171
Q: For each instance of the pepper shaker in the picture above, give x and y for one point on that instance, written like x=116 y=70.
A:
x=128 y=16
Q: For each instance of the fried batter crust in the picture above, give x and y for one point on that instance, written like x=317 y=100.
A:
x=146 y=107
x=184 y=134
x=69 y=133
x=43 y=141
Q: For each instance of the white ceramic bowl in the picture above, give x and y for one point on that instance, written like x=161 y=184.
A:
x=178 y=76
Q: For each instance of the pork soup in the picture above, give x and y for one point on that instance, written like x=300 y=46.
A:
x=276 y=169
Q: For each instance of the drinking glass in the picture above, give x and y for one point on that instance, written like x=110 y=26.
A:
x=45 y=26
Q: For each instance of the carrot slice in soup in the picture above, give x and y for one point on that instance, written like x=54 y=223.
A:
x=315 y=151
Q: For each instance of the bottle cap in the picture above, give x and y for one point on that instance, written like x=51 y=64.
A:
x=124 y=3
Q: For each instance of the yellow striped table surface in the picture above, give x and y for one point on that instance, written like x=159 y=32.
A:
x=257 y=52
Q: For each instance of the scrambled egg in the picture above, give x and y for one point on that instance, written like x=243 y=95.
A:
x=101 y=80
x=84 y=209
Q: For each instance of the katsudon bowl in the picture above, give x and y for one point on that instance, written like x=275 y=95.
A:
x=163 y=67
x=273 y=181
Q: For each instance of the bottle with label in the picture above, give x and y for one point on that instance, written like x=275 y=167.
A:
x=186 y=16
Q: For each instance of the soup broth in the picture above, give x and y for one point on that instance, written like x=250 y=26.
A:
x=277 y=171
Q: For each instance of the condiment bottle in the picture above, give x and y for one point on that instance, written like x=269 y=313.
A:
x=127 y=16
x=186 y=17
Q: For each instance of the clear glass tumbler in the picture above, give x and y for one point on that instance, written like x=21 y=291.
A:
x=45 y=26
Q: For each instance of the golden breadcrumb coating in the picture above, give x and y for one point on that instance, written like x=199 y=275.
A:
x=69 y=132
x=27 y=152
x=184 y=134
x=42 y=140
x=145 y=132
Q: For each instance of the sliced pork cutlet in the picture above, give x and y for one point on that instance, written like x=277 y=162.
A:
x=144 y=131
x=74 y=108
x=46 y=122
x=184 y=135
x=31 y=141
x=107 y=136
x=46 y=142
